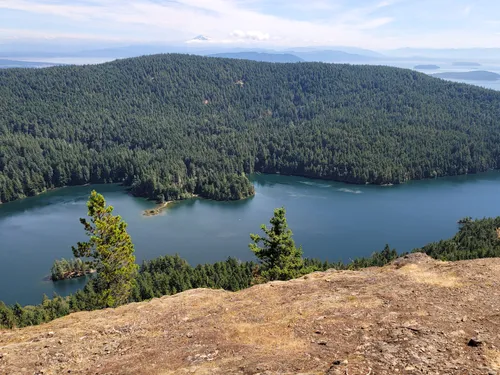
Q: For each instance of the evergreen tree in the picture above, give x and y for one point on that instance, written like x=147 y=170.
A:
x=279 y=258
x=112 y=250
x=7 y=317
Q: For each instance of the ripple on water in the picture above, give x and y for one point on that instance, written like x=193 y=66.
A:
x=350 y=191
x=310 y=183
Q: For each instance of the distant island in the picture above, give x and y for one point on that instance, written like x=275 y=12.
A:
x=260 y=56
x=427 y=67
x=477 y=75
x=466 y=63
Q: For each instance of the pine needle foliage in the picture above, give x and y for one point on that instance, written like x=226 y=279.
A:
x=111 y=249
x=280 y=259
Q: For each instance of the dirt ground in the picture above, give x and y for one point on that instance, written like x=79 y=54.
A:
x=416 y=316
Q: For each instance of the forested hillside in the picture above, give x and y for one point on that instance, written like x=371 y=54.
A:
x=173 y=125
x=475 y=239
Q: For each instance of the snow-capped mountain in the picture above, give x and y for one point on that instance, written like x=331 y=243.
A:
x=200 y=38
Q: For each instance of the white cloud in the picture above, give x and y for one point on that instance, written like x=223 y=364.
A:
x=217 y=18
x=374 y=25
x=383 y=4
x=17 y=34
x=251 y=35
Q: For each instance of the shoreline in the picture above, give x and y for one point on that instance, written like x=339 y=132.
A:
x=126 y=188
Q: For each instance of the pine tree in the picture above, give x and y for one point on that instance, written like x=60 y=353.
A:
x=279 y=258
x=7 y=317
x=112 y=250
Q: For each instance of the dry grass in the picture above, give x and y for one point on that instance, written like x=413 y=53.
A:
x=421 y=274
x=493 y=358
x=265 y=337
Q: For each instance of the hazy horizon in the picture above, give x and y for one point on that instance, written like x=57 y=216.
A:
x=378 y=25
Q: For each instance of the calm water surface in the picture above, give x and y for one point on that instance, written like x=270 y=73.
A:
x=330 y=220
x=447 y=66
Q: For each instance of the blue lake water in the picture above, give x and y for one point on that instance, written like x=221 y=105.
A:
x=330 y=220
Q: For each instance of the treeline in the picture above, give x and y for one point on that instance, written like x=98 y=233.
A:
x=170 y=126
x=162 y=276
x=475 y=239
x=165 y=275
x=171 y=274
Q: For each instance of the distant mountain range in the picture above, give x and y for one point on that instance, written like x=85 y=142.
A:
x=477 y=75
x=333 y=56
x=199 y=45
x=204 y=45
x=261 y=56
x=348 y=50
x=329 y=56
x=25 y=64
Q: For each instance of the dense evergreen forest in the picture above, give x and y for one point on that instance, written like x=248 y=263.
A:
x=169 y=126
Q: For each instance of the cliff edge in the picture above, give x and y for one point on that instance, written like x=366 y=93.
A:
x=414 y=316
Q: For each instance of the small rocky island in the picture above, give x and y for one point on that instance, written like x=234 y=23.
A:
x=65 y=269
x=427 y=67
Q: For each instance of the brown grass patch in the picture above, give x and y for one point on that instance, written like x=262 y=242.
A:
x=265 y=336
x=426 y=276
x=493 y=358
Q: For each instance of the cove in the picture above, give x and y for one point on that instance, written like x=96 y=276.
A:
x=332 y=221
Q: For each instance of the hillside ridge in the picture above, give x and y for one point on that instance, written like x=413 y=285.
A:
x=414 y=316
x=170 y=126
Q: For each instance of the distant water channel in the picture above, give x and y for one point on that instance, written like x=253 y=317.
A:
x=330 y=220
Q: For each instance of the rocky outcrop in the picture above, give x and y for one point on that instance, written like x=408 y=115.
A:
x=415 y=316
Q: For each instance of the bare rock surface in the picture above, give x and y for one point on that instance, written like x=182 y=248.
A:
x=415 y=316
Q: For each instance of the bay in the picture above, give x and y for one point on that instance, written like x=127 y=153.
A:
x=332 y=221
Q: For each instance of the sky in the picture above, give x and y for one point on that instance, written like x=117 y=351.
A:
x=371 y=24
